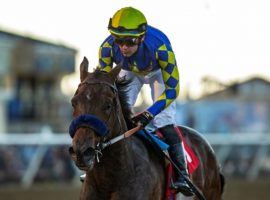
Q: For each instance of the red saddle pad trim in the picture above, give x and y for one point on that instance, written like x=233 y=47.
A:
x=191 y=158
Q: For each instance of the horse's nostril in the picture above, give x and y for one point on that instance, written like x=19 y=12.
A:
x=90 y=152
x=71 y=150
x=89 y=157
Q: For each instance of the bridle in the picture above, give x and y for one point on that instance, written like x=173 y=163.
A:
x=111 y=86
x=99 y=126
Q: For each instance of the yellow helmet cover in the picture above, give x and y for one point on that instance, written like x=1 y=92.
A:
x=128 y=21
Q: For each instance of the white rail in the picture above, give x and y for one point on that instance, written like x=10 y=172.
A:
x=225 y=142
x=238 y=139
x=49 y=138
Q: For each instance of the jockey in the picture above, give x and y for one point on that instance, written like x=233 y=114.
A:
x=146 y=57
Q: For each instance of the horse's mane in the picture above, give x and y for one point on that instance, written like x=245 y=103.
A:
x=121 y=84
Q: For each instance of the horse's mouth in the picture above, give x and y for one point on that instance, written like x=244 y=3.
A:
x=84 y=161
x=86 y=165
x=90 y=163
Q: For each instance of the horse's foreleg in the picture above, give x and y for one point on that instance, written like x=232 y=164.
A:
x=88 y=191
x=137 y=192
x=158 y=192
x=134 y=194
x=84 y=193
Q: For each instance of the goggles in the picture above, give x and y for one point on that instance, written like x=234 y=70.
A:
x=127 y=41
x=120 y=30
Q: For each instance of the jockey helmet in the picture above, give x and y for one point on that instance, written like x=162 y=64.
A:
x=128 y=22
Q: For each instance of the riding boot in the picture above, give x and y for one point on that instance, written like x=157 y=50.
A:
x=177 y=155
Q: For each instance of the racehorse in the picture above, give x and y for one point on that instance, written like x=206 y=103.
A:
x=129 y=169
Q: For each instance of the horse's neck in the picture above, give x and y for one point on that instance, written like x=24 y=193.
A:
x=116 y=166
x=119 y=153
x=118 y=158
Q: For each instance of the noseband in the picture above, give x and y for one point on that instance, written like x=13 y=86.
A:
x=90 y=121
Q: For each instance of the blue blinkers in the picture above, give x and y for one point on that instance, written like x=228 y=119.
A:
x=88 y=120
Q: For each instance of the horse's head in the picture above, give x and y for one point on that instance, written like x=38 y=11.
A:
x=96 y=112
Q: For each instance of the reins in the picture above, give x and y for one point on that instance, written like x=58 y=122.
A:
x=102 y=145
x=127 y=134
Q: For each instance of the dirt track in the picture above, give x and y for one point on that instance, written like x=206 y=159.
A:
x=235 y=190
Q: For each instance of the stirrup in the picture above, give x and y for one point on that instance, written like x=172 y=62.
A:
x=82 y=177
x=185 y=190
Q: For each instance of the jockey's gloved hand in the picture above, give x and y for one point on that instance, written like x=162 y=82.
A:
x=142 y=118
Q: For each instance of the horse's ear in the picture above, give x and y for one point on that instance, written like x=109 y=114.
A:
x=115 y=71
x=84 y=69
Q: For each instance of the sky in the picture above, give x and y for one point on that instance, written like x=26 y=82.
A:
x=225 y=39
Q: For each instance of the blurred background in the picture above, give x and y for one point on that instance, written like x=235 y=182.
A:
x=222 y=50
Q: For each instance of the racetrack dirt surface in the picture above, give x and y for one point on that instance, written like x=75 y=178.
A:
x=235 y=190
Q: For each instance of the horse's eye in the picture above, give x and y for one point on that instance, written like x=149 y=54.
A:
x=107 y=107
x=73 y=103
x=72 y=152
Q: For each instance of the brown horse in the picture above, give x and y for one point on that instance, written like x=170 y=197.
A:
x=128 y=169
